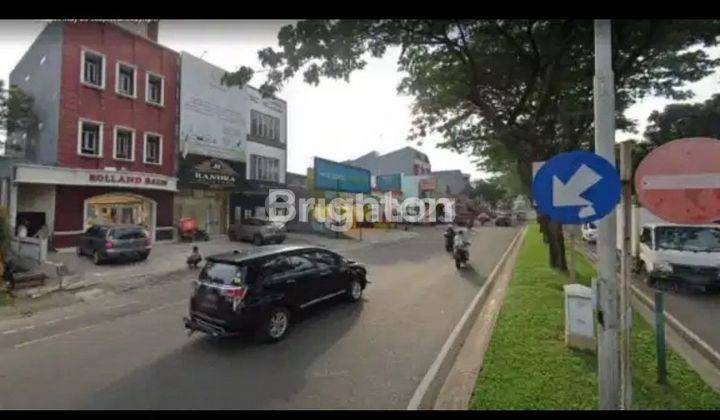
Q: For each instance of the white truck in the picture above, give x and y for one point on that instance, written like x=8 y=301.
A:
x=674 y=253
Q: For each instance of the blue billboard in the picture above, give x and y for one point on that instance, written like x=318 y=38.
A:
x=336 y=176
x=389 y=182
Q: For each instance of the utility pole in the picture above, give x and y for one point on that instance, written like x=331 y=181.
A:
x=626 y=273
x=604 y=101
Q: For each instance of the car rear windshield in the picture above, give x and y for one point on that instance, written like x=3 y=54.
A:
x=128 y=233
x=225 y=273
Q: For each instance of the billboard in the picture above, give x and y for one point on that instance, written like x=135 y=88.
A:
x=335 y=176
x=214 y=118
x=389 y=182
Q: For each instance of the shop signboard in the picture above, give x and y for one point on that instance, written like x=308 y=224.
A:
x=203 y=172
x=391 y=182
x=428 y=184
x=335 y=176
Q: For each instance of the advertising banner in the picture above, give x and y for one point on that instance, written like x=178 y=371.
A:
x=336 y=176
x=389 y=182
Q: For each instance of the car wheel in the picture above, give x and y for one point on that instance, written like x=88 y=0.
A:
x=257 y=240
x=144 y=256
x=355 y=291
x=97 y=259
x=79 y=252
x=276 y=325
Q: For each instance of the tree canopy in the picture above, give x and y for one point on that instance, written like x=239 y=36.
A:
x=508 y=91
x=17 y=117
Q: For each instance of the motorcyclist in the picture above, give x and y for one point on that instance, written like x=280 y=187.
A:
x=449 y=238
x=459 y=242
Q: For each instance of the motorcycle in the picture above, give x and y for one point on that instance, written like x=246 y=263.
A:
x=188 y=230
x=461 y=257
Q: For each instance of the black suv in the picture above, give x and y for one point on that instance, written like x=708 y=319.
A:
x=261 y=289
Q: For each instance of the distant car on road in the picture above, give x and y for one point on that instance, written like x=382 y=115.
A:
x=503 y=219
x=259 y=231
x=115 y=242
x=483 y=218
x=589 y=232
x=263 y=288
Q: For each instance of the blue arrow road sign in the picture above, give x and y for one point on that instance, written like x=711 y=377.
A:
x=576 y=188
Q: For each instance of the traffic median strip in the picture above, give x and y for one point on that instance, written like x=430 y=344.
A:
x=528 y=366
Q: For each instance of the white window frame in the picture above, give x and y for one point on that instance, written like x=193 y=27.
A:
x=100 y=140
x=160 y=152
x=115 y=143
x=134 y=68
x=147 y=89
x=103 y=74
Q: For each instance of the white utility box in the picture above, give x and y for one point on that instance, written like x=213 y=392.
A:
x=579 y=321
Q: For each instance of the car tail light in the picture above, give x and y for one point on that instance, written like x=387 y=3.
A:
x=109 y=245
x=235 y=292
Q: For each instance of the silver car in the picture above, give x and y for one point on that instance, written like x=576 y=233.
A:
x=258 y=231
x=114 y=242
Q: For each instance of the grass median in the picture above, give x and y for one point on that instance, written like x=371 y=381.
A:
x=527 y=365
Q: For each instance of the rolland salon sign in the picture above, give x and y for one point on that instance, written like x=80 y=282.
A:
x=122 y=179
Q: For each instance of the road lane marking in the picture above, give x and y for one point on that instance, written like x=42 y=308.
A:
x=87 y=327
x=9 y=332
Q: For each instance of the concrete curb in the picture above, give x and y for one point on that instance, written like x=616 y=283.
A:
x=426 y=393
x=690 y=338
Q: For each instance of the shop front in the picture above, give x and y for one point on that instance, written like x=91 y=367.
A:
x=251 y=200
x=69 y=201
x=204 y=186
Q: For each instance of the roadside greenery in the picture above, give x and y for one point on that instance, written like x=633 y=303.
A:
x=527 y=365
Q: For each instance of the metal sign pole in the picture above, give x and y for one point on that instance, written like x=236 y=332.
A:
x=572 y=229
x=604 y=101
x=626 y=273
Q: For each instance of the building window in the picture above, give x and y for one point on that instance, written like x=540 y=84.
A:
x=125 y=81
x=154 y=89
x=90 y=138
x=153 y=149
x=265 y=126
x=264 y=168
x=93 y=69
x=124 y=144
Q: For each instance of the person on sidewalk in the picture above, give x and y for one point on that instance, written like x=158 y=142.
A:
x=22 y=231
x=194 y=259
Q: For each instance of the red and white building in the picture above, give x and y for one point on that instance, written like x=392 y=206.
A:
x=106 y=97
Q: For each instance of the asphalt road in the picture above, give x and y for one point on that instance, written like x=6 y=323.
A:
x=698 y=311
x=129 y=350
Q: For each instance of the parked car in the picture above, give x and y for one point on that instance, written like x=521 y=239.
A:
x=503 y=219
x=262 y=289
x=682 y=254
x=258 y=231
x=115 y=242
x=589 y=232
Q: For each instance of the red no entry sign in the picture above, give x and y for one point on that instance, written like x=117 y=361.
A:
x=680 y=181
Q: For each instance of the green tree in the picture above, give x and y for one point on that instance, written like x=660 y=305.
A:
x=489 y=191
x=17 y=118
x=508 y=91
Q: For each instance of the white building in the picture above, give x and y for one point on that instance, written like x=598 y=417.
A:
x=233 y=147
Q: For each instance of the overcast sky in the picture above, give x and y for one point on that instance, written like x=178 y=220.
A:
x=335 y=120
